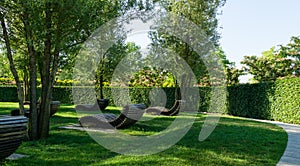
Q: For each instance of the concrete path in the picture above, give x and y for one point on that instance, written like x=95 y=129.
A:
x=291 y=154
x=16 y=156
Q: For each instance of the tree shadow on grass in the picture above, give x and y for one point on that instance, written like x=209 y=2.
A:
x=63 y=147
x=234 y=142
x=155 y=125
x=243 y=141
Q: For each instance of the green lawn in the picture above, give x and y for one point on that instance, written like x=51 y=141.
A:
x=235 y=141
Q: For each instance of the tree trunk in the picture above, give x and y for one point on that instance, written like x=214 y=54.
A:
x=33 y=125
x=56 y=54
x=11 y=64
x=33 y=119
x=45 y=98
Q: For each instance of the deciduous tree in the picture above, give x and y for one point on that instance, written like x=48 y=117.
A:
x=50 y=30
x=201 y=13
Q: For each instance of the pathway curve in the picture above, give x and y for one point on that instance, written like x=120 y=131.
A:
x=291 y=155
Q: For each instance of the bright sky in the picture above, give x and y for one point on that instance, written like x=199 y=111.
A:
x=253 y=26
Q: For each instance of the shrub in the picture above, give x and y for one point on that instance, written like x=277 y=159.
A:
x=6 y=81
x=279 y=100
x=135 y=95
x=250 y=100
x=62 y=94
x=8 y=94
x=63 y=82
x=285 y=105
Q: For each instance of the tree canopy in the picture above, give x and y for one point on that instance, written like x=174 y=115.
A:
x=47 y=34
x=201 y=13
x=275 y=63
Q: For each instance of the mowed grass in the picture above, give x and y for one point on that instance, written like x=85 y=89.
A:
x=235 y=141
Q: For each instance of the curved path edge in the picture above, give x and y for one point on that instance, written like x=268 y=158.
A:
x=291 y=155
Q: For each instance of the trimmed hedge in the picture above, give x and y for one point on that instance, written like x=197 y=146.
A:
x=62 y=94
x=278 y=100
x=8 y=94
x=285 y=102
x=137 y=95
x=250 y=100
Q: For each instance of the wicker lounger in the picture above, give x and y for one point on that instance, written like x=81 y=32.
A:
x=100 y=104
x=129 y=115
x=163 y=111
x=12 y=133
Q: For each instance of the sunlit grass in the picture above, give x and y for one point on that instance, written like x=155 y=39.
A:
x=235 y=141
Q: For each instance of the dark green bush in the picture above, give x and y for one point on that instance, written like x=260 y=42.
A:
x=136 y=95
x=8 y=94
x=250 y=100
x=63 y=94
x=279 y=100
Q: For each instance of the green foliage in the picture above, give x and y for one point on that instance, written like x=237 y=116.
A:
x=278 y=100
x=62 y=94
x=268 y=68
x=205 y=97
x=232 y=75
x=152 y=77
x=4 y=65
x=64 y=82
x=6 y=81
x=250 y=100
x=136 y=95
x=292 y=49
x=201 y=13
x=275 y=63
x=8 y=94
x=231 y=72
x=285 y=101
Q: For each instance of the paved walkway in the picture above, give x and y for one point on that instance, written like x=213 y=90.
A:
x=291 y=154
x=16 y=156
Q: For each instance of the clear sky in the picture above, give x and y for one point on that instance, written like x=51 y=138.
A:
x=250 y=27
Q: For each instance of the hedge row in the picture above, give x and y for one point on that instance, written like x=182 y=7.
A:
x=278 y=101
x=285 y=102
x=136 y=95
x=250 y=100
x=8 y=94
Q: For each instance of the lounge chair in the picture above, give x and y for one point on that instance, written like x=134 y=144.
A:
x=129 y=115
x=12 y=133
x=54 y=107
x=164 y=111
x=99 y=104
